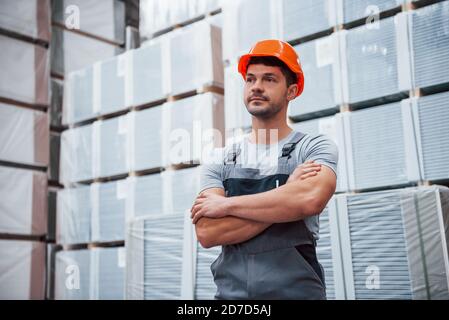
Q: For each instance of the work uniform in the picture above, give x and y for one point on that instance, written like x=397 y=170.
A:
x=280 y=262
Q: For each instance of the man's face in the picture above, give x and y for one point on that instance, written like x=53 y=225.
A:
x=265 y=91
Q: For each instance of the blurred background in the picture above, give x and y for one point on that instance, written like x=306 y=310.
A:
x=100 y=151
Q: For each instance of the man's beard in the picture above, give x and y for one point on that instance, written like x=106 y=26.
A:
x=264 y=113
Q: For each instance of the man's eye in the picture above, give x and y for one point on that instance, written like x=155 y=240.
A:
x=249 y=79
x=270 y=79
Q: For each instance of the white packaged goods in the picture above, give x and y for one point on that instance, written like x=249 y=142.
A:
x=146 y=139
x=108 y=211
x=104 y=19
x=431 y=118
x=306 y=17
x=375 y=60
x=320 y=61
x=26 y=17
x=236 y=114
x=24 y=135
x=352 y=10
x=71 y=51
x=429 y=40
x=25 y=72
x=192 y=127
x=111 y=148
x=76 y=160
x=74 y=211
x=242 y=26
x=394 y=243
x=22 y=270
x=332 y=127
x=24 y=201
x=199 y=62
x=381 y=149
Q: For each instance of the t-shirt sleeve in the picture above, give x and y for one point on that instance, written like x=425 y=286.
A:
x=210 y=176
x=212 y=170
x=323 y=151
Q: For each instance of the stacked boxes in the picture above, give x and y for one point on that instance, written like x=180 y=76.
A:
x=24 y=147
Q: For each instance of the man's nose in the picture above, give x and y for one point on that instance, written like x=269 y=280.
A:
x=257 y=86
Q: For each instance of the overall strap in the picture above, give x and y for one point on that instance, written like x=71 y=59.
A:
x=288 y=148
x=233 y=153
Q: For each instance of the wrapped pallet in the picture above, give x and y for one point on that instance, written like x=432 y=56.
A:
x=22 y=270
x=25 y=72
x=430 y=115
x=24 y=136
x=146 y=65
x=353 y=10
x=24 y=202
x=76 y=160
x=94 y=274
x=78 y=99
x=73 y=275
x=103 y=19
x=242 y=26
x=322 y=89
x=71 y=51
x=328 y=252
x=30 y=18
x=192 y=127
x=108 y=273
x=236 y=114
x=375 y=61
x=111 y=152
x=199 y=63
x=74 y=211
x=108 y=211
x=109 y=85
x=146 y=139
x=394 y=243
x=332 y=127
x=159 y=257
x=304 y=18
x=429 y=40
x=380 y=147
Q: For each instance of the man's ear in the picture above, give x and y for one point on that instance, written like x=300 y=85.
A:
x=291 y=92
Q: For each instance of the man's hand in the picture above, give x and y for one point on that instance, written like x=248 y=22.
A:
x=216 y=206
x=303 y=171
x=209 y=205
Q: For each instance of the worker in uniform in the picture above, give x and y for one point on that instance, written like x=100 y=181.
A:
x=262 y=198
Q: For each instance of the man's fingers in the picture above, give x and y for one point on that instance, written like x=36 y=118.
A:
x=308 y=175
x=195 y=209
x=196 y=217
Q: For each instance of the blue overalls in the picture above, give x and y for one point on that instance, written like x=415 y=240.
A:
x=280 y=262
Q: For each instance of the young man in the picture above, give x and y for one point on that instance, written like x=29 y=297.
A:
x=264 y=214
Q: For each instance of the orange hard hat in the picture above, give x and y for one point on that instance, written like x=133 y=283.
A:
x=278 y=49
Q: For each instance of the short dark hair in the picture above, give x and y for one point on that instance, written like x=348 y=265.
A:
x=289 y=75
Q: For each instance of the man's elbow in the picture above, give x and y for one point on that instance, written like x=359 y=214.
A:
x=203 y=234
x=315 y=204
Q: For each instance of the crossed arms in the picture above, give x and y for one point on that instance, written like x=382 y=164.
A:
x=221 y=220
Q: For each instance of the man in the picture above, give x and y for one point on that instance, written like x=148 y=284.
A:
x=266 y=217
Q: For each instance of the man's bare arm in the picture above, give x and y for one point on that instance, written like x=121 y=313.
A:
x=226 y=230
x=231 y=230
x=290 y=202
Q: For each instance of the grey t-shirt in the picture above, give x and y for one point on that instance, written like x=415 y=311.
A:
x=319 y=148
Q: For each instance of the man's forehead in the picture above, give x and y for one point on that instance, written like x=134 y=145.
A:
x=261 y=69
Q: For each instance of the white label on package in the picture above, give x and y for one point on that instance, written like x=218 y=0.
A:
x=324 y=54
x=121 y=256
